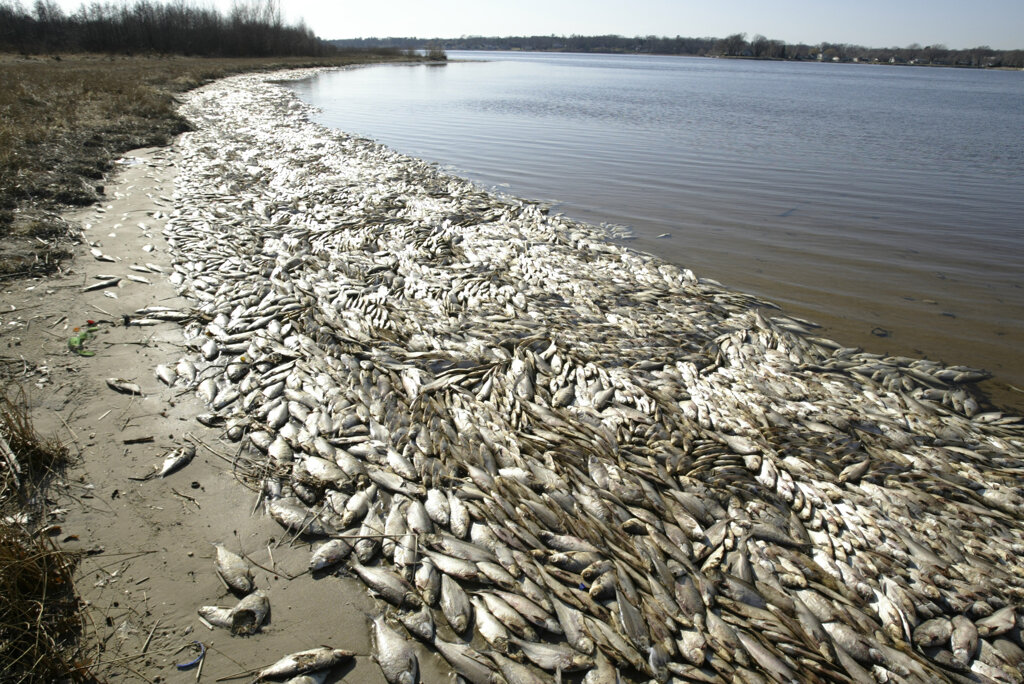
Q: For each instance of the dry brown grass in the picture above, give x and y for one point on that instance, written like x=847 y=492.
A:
x=64 y=119
x=41 y=624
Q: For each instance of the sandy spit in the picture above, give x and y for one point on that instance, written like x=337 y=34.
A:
x=148 y=545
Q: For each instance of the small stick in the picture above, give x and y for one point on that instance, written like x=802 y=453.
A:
x=186 y=497
x=199 y=672
x=145 y=646
x=75 y=436
x=203 y=444
x=259 y=500
x=272 y=572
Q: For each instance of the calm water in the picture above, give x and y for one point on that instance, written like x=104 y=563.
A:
x=873 y=200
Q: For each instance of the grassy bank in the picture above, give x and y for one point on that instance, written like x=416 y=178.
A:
x=65 y=118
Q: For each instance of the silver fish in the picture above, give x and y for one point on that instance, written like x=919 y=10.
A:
x=176 y=460
x=394 y=654
x=302 y=662
x=217 y=615
x=455 y=604
x=233 y=569
x=329 y=553
x=467 y=662
x=390 y=586
x=124 y=386
x=249 y=614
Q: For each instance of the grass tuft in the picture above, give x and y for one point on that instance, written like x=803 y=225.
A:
x=41 y=621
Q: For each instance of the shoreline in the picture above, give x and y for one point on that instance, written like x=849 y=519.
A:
x=856 y=253
x=297 y=245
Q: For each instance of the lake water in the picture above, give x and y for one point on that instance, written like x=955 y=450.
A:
x=884 y=203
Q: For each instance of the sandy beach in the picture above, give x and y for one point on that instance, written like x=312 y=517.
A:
x=148 y=561
x=568 y=393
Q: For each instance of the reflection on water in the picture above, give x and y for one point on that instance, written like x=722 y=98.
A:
x=883 y=202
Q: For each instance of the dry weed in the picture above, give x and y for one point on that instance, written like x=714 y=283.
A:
x=41 y=622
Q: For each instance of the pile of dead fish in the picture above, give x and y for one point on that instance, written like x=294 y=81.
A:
x=553 y=455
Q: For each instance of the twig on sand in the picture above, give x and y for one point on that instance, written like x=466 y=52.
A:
x=149 y=639
x=259 y=500
x=73 y=434
x=192 y=438
x=272 y=572
x=186 y=497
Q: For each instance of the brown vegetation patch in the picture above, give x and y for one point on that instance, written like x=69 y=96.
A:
x=65 y=118
x=41 y=624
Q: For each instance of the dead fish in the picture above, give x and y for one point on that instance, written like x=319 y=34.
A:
x=571 y=621
x=517 y=673
x=100 y=256
x=420 y=623
x=302 y=662
x=166 y=374
x=437 y=507
x=964 y=639
x=428 y=581
x=124 y=386
x=508 y=616
x=310 y=678
x=489 y=626
x=455 y=604
x=233 y=569
x=458 y=516
x=211 y=419
x=530 y=610
x=295 y=517
x=391 y=586
x=175 y=460
x=329 y=553
x=999 y=622
x=394 y=654
x=187 y=370
x=854 y=472
x=553 y=657
x=249 y=614
x=466 y=661
x=217 y=615
x=603 y=672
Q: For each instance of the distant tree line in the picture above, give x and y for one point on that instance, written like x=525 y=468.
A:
x=249 y=29
x=736 y=45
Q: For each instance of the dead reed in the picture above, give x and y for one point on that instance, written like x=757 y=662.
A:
x=41 y=622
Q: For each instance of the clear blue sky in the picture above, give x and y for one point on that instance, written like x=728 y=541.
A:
x=873 y=23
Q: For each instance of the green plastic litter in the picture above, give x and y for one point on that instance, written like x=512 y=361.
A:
x=76 y=343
